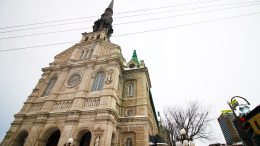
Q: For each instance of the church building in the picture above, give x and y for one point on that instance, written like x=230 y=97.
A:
x=89 y=96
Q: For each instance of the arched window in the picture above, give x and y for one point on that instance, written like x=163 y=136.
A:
x=84 y=54
x=49 y=86
x=98 y=82
x=129 y=142
x=130 y=90
x=90 y=53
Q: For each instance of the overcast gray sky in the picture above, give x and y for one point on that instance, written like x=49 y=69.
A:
x=206 y=50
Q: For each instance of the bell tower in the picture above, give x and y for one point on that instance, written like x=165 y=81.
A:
x=105 y=22
x=88 y=96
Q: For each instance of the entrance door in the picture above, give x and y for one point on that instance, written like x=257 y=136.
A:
x=54 y=139
x=85 y=140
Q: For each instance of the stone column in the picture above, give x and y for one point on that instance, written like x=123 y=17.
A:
x=66 y=134
x=33 y=137
x=104 y=128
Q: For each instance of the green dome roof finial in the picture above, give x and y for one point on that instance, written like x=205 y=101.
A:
x=135 y=58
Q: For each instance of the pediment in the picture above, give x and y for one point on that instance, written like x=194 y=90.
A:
x=132 y=64
x=66 y=52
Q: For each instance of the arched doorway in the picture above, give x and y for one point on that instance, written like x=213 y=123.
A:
x=85 y=140
x=21 y=138
x=53 y=140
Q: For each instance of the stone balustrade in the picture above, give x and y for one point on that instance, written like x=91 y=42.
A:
x=35 y=107
x=61 y=105
x=92 y=102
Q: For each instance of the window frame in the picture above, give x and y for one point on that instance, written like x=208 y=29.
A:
x=130 y=89
x=99 y=80
x=84 y=54
x=49 y=86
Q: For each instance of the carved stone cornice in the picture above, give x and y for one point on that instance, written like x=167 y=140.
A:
x=80 y=63
x=73 y=114
x=41 y=118
x=133 y=119
x=99 y=131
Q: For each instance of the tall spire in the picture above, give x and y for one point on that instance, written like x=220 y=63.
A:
x=134 y=62
x=135 y=58
x=111 y=4
x=105 y=22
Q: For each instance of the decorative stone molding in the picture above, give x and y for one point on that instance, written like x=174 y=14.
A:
x=109 y=78
x=93 y=102
x=88 y=116
x=63 y=57
x=60 y=105
x=98 y=131
x=35 y=107
x=39 y=84
x=117 y=108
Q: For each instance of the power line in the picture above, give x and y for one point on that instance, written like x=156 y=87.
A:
x=185 y=4
x=140 y=32
x=45 y=33
x=46 y=26
x=189 y=24
x=159 y=18
x=129 y=16
x=187 y=9
x=23 y=48
x=185 y=14
x=140 y=10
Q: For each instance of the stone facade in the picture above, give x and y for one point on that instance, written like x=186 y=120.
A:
x=89 y=94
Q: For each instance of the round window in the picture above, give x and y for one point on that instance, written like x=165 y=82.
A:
x=132 y=65
x=74 y=80
x=130 y=112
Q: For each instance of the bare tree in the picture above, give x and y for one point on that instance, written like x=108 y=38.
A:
x=194 y=119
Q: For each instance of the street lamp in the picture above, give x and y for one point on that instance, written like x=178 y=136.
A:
x=183 y=140
x=69 y=142
x=243 y=108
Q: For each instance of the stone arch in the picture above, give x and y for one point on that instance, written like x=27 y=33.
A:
x=50 y=136
x=83 y=136
x=20 y=138
x=97 y=70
